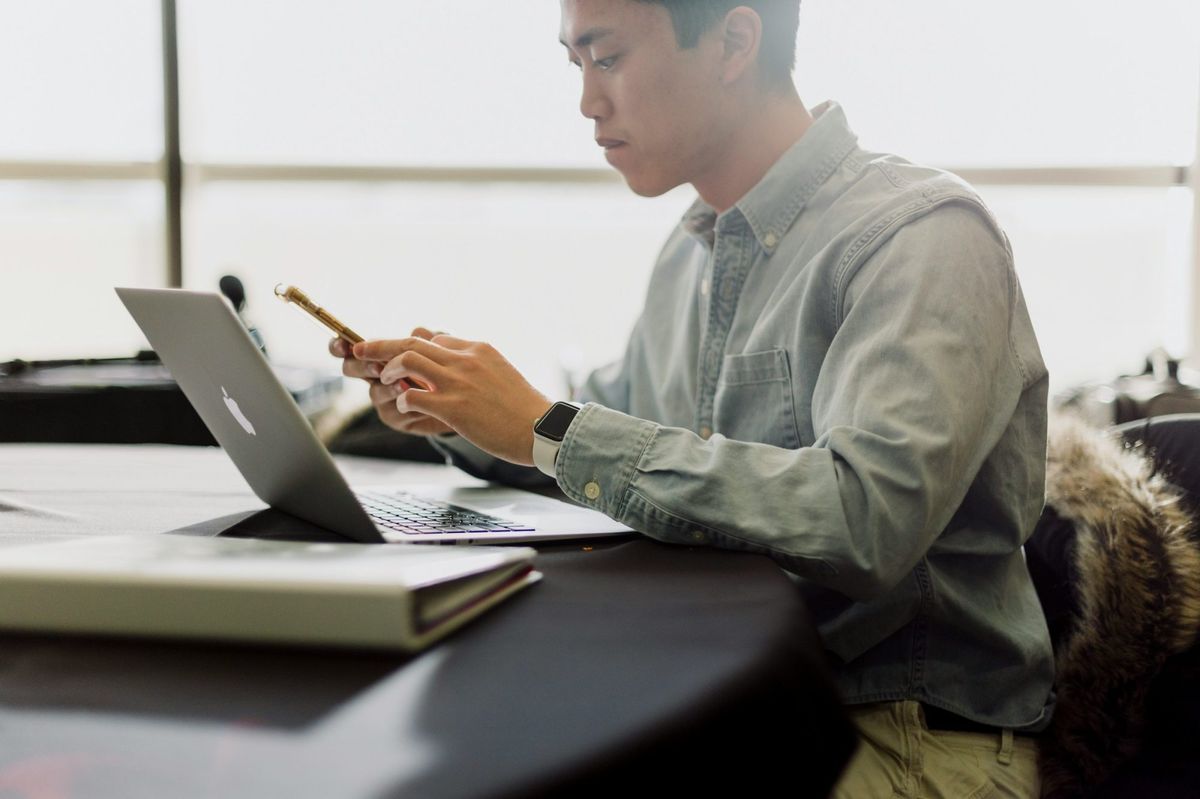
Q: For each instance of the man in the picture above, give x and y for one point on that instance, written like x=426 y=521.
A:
x=835 y=367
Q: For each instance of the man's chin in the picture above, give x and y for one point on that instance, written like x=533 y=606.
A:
x=649 y=187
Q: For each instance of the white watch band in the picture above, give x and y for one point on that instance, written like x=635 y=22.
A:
x=545 y=453
x=545 y=450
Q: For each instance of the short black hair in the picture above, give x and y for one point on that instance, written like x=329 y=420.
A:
x=780 y=21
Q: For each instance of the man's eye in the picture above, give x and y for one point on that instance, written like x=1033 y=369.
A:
x=574 y=63
x=605 y=64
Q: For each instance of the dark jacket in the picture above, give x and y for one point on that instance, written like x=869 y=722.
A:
x=1117 y=567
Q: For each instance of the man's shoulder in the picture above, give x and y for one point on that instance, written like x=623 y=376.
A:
x=874 y=195
x=892 y=186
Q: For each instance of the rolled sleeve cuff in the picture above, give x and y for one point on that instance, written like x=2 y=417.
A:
x=599 y=455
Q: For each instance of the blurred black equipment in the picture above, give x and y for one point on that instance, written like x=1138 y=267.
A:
x=122 y=401
x=128 y=400
x=1159 y=390
x=235 y=292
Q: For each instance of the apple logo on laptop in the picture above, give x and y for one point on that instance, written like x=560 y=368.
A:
x=231 y=403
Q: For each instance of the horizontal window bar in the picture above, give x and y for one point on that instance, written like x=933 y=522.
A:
x=400 y=174
x=80 y=170
x=1160 y=176
x=1047 y=176
x=1163 y=176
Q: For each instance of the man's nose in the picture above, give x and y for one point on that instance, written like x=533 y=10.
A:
x=593 y=104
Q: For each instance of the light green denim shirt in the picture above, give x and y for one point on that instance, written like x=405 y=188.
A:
x=840 y=372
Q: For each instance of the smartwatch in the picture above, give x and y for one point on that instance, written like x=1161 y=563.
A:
x=548 y=434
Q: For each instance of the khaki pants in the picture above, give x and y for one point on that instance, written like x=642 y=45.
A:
x=898 y=756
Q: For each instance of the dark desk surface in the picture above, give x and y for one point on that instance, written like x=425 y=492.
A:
x=632 y=663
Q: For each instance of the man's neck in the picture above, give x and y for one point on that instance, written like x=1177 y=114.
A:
x=760 y=138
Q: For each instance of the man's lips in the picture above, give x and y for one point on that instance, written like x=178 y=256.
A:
x=609 y=144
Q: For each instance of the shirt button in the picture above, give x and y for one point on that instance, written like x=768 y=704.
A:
x=704 y=287
x=770 y=239
x=697 y=535
x=705 y=432
x=591 y=490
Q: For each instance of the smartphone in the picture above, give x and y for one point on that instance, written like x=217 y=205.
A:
x=300 y=300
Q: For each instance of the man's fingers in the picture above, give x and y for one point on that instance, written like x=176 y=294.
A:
x=338 y=348
x=409 y=421
x=450 y=342
x=387 y=349
x=393 y=418
x=366 y=370
x=417 y=424
x=426 y=403
x=382 y=394
x=426 y=333
x=412 y=364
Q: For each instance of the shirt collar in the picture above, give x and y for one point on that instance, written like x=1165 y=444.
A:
x=773 y=204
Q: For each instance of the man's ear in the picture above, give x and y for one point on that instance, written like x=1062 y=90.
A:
x=741 y=36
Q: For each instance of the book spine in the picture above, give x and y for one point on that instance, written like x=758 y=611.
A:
x=38 y=603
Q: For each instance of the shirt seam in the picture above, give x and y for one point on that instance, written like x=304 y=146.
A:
x=850 y=263
x=920 y=626
x=1010 y=275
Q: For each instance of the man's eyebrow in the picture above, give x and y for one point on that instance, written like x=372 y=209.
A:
x=587 y=37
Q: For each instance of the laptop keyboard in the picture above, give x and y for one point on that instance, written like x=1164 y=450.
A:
x=411 y=515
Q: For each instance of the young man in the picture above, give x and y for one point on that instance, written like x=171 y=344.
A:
x=835 y=367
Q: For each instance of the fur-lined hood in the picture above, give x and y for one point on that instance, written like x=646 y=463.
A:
x=1137 y=592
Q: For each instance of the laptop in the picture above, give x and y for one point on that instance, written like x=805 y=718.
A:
x=234 y=390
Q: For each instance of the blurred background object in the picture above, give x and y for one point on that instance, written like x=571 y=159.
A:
x=1161 y=389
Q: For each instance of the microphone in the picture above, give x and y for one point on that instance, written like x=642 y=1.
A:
x=235 y=292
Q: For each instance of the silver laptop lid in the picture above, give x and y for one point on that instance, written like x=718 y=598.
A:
x=229 y=382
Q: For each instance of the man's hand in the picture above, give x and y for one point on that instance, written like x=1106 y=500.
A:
x=384 y=397
x=471 y=389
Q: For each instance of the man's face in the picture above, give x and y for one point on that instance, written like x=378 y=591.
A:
x=656 y=107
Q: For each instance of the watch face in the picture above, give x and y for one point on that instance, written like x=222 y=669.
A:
x=556 y=421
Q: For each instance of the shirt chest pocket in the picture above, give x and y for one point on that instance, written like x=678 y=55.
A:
x=754 y=399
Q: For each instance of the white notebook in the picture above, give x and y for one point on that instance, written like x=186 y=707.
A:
x=236 y=589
